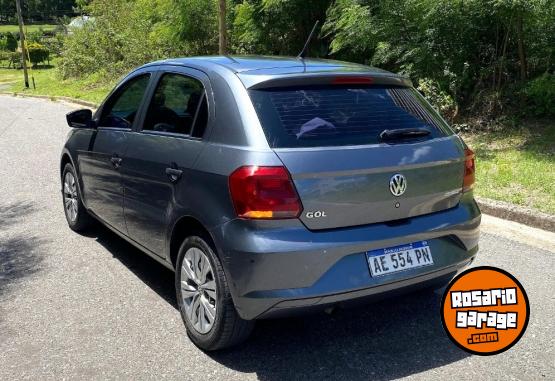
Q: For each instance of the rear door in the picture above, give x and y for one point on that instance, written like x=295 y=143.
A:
x=328 y=137
x=158 y=171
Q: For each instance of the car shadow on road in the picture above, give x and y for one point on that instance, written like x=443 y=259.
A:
x=150 y=272
x=21 y=252
x=382 y=341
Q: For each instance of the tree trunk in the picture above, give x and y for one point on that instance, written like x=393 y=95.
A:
x=521 y=50
x=503 y=55
x=222 y=27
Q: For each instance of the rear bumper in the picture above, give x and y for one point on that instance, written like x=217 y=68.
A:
x=279 y=268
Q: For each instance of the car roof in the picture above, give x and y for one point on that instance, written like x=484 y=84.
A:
x=239 y=64
x=253 y=70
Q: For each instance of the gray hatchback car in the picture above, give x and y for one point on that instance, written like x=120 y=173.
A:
x=274 y=185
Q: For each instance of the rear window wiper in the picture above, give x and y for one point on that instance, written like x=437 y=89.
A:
x=403 y=133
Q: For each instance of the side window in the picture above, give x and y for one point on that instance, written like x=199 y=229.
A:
x=178 y=105
x=122 y=108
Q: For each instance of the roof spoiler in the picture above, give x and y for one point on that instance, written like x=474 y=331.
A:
x=289 y=80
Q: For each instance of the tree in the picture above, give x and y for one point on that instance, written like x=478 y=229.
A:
x=222 y=27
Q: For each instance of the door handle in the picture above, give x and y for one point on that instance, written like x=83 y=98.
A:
x=174 y=174
x=116 y=161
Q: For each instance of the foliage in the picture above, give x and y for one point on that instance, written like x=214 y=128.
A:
x=439 y=99
x=125 y=34
x=466 y=48
x=115 y=40
x=36 y=10
x=278 y=27
x=10 y=59
x=11 y=42
x=38 y=53
x=540 y=95
x=471 y=57
x=194 y=27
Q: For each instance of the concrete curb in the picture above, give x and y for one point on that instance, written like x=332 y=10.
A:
x=54 y=98
x=517 y=213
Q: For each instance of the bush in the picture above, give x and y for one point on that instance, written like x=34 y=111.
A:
x=10 y=59
x=539 y=95
x=38 y=53
x=439 y=99
x=11 y=42
x=4 y=56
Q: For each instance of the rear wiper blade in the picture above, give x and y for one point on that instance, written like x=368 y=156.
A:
x=404 y=133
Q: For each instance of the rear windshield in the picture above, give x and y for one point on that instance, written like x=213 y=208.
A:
x=314 y=116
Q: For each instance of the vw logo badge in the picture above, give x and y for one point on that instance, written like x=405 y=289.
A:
x=397 y=185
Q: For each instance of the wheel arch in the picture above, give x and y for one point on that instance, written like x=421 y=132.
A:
x=184 y=227
x=65 y=159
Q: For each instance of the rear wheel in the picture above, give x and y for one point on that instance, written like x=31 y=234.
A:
x=204 y=299
x=77 y=216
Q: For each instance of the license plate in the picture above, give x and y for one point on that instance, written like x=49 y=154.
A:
x=399 y=258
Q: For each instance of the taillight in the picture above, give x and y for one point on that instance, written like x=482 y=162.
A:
x=469 y=170
x=264 y=192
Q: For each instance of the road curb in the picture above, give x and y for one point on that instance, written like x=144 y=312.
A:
x=54 y=98
x=517 y=213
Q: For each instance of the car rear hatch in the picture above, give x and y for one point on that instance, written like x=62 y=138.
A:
x=360 y=150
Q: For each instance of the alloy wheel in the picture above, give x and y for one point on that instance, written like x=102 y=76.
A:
x=198 y=290
x=70 y=196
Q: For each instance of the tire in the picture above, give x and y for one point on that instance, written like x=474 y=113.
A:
x=76 y=214
x=227 y=328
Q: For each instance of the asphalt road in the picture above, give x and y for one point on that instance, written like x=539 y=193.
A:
x=93 y=307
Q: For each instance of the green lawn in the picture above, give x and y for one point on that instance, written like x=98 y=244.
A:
x=48 y=83
x=517 y=165
x=28 y=28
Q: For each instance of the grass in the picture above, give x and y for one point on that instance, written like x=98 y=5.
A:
x=517 y=165
x=28 y=28
x=48 y=83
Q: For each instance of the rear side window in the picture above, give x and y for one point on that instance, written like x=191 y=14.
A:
x=177 y=106
x=340 y=115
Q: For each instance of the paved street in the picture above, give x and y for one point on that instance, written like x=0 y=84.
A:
x=93 y=307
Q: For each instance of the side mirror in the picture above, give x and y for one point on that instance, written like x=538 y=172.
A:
x=80 y=119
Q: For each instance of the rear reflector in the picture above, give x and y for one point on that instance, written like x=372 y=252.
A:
x=264 y=193
x=469 y=170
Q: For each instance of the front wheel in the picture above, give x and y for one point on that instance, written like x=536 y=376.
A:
x=204 y=299
x=77 y=216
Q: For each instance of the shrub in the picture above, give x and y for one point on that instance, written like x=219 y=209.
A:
x=539 y=95
x=439 y=99
x=38 y=53
x=10 y=59
x=4 y=57
x=11 y=42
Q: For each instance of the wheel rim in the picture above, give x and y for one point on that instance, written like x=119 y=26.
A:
x=198 y=290
x=70 y=196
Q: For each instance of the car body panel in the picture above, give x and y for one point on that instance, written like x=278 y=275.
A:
x=295 y=263
x=102 y=184
x=276 y=267
x=350 y=185
x=150 y=195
